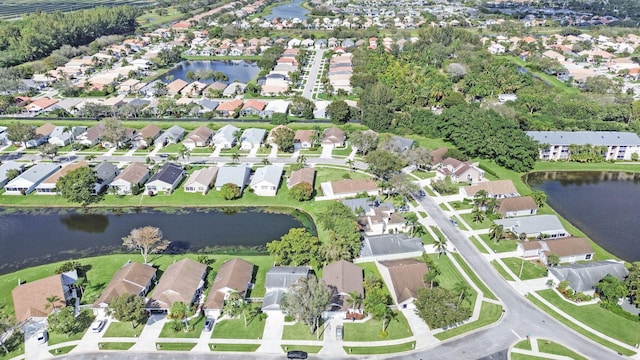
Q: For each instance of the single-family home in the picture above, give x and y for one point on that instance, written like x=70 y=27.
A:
x=304 y=175
x=26 y=182
x=253 y=107
x=252 y=138
x=131 y=179
x=133 y=278
x=460 y=171
x=207 y=106
x=496 y=49
x=41 y=105
x=30 y=299
x=193 y=89
x=583 y=277
x=63 y=136
x=341 y=189
x=545 y=226
x=105 y=172
x=238 y=175
x=182 y=281
x=233 y=276
x=347 y=279
x=201 y=180
x=175 y=86
x=271 y=137
x=48 y=185
x=404 y=277
x=499 y=189
x=41 y=135
x=568 y=249
x=333 y=137
x=389 y=247
x=277 y=283
x=6 y=167
x=92 y=136
x=619 y=145
x=147 y=135
x=400 y=145
x=229 y=108
x=172 y=135
x=225 y=137
x=275 y=107
x=304 y=138
x=166 y=180
x=517 y=206
x=234 y=89
x=199 y=137
x=266 y=180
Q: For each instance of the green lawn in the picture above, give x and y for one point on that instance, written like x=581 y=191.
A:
x=524 y=345
x=235 y=329
x=62 y=350
x=517 y=356
x=502 y=271
x=306 y=348
x=115 y=345
x=450 y=276
x=525 y=269
x=371 y=270
x=427 y=238
x=122 y=329
x=390 y=349
x=424 y=174
x=300 y=331
x=489 y=313
x=545 y=77
x=478 y=245
x=235 y=347
x=341 y=152
x=503 y=245
x=168 y=346
x=485 y=224
x=549 y=347
x=487 y=293
x=196 y=327
x=398 y=328
x=461 y=205
x=57 y=338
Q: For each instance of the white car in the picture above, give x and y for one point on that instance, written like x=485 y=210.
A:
x=98 y=325
x=42 y=336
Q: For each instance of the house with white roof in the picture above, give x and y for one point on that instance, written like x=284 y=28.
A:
x=7 y=166
x=252 y=138
x=238 y=175
x=535 y=226
x=273 y=107
x=619 y=145
x=63 y=136
x=201 y=180
x=173 y=135
x=266 y=180
x=277 y=283
x=28 y=180
x=583 y=277
x=225 y=137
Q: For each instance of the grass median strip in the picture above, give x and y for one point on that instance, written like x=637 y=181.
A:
x=502 y=271
x=235 y=347
x=311 y=349
x=549 y=347
x=115 y=345
x=168 y=346
x=478 y=245
x=390 y=349
x=489 y=313
x=481 y=285
x=62 y=350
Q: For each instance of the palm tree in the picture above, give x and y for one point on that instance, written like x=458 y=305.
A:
x=51 y=302
x=302 y=160
x=354 y=300
x=352 y=164
x=251 y=312
x=387 y=317
x=480 y=199
x=237 y=135
x=418 y=231
x=477 y=215
x=496 y=232
x=492 y=205
x=462 y=288
x=440 y=245
x=185 y=152
x=265 y=162
x=235 y=157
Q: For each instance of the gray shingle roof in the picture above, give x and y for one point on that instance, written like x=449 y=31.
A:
x=390 y=244
x=9 y=165
x=105 y=170
x=175 y=133
x=238 y=175
x=281 y=277
x=253 y=135
x=225 y=134
x=595 y=138
x=365 y=204
x=532 y=224
x=38 y=172
x=582 y=277
x=269 y=173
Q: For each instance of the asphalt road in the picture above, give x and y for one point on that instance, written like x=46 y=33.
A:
x=313 y=74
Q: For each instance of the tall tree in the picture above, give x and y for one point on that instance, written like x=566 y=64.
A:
x=7 y=321
x=496 y=232
x=375 y=103
x=306 y=299
x=20 y=133
x=440 y=245
x=114 y=131
x=52 y=300
x=383 y=164
x=439 y=307
x=284 y=137
x=339 y=112
x=147 y=239
x=128 y=307
x=77 y=186
x=297 y=247
x=48 y=150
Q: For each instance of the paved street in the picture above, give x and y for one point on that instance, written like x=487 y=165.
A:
x=314 y=73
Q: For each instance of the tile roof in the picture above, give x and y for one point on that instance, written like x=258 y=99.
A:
x=307 y=175
x=179 y=282
x=407 y=277
x=493 y=188
x=132 y=279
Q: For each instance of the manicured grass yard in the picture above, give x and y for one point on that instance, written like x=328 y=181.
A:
x=115 y=345
x=424 y=174
x=461 y=205
x=489 y=313
x=196 y=328
x=390 y=349
x=306 y=348
x=175 y=346
x=485 y=224
x=62 y=350
x=341 y=152
x=122 y=329
x=398 y=328
x=56 y=338
x=550 y=347
x=370 y=269
x=474 y=277
x=524 y=345
x=517 y=356
x=235 y=347
x=300 y=331
x=503 y=245
x=235 y=329
x=530 y=270
x=502 y=271
x=450 y=276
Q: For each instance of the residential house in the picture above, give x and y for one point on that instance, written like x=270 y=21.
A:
x=333 y=137
x=545 y=226
x=216 y=88
x=48 y=185
x=389 y=247
x=30 y=299
x=41 y=135
x=347 y=279
x=105 y=172
x=207 y=106
x=568 y=249
x=166 y=180
x=41 y=105
x=233 y=276
x=271 y=137
x=460 y=171
x=304 y=138
x=182 y=281
x=266 y=180
x=193 y=89
x=234 y=89
x=174 y=87
x=172 y=135
x=496 y=49
x=252 y=138
x=277 y=283
x=229 y=108
x=132 y=279
x=238 y=175
x=201 y=180
x=499 y=189
x=253 y=107
x=147 y=135
x=438 y=156
x=341 y=189
x=199 y=137
x=517 y=206
x=225 y=137
x=26 y=182
x=304 y=175
x=400 y=145
x=92 y=136
x=619 y=145
x=382 y=219
x=63 y=136
x=583 y=277
x=275 y=107
x=6 y=167
x=131 y=179
x=404 y=277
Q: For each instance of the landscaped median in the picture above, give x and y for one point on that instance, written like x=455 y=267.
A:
x=115 y=345
x=387 y=349
x=525 y=350
x=234 y=347
x=172 y=346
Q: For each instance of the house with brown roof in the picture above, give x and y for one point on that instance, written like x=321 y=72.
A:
x=517 y=206
x=175 y=86
x=568 y=249
x=131 y=179
x=30 y=299
x=460 y=171
x=201 y=180
x=133 y=278
x=498 y=189
x=48 y=185
x=92 y=136
x=347 y=279
x=182 y=281
x=41 y=135
x=304 y=138
x=234 y=275
x=229 y=108
x=199 y=137
x=341 y=189
x=333 y=137
x=307 y=175
x=437 y=156
x=404 y=277
x=147 y=135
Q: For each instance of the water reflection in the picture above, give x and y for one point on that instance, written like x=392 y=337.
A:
x=89 y=223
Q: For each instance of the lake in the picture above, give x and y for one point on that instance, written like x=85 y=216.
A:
x=289 y=10
x=239 y=70
x=28 y=238
x=602 y=204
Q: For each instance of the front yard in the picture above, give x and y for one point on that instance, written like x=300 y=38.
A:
x=370 y=330
x=525 y=269
x=235 y=329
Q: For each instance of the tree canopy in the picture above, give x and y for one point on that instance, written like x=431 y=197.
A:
x=128 y=307
x=77 y=186
x=284 y=137
x=305 y=301
x=147 y=239
x=297 y=247
x=440 y=307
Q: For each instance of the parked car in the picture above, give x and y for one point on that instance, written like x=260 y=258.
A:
x=98 y=325
x=42 y=336
x=297 y=354
x=453 y=221
x=339 y=332
x=208 y=325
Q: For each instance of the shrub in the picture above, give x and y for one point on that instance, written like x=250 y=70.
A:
x=230 y=191
x=68 y=266
x=302 y=191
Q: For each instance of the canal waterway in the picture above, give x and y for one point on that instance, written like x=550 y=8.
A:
x=30 y=238
x=290 y=10
x=239 y=70
x=604 y=205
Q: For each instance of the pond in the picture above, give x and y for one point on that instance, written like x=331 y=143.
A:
x=34 y=238
x=289 y=10
x=239 y=70
x=604 y=205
